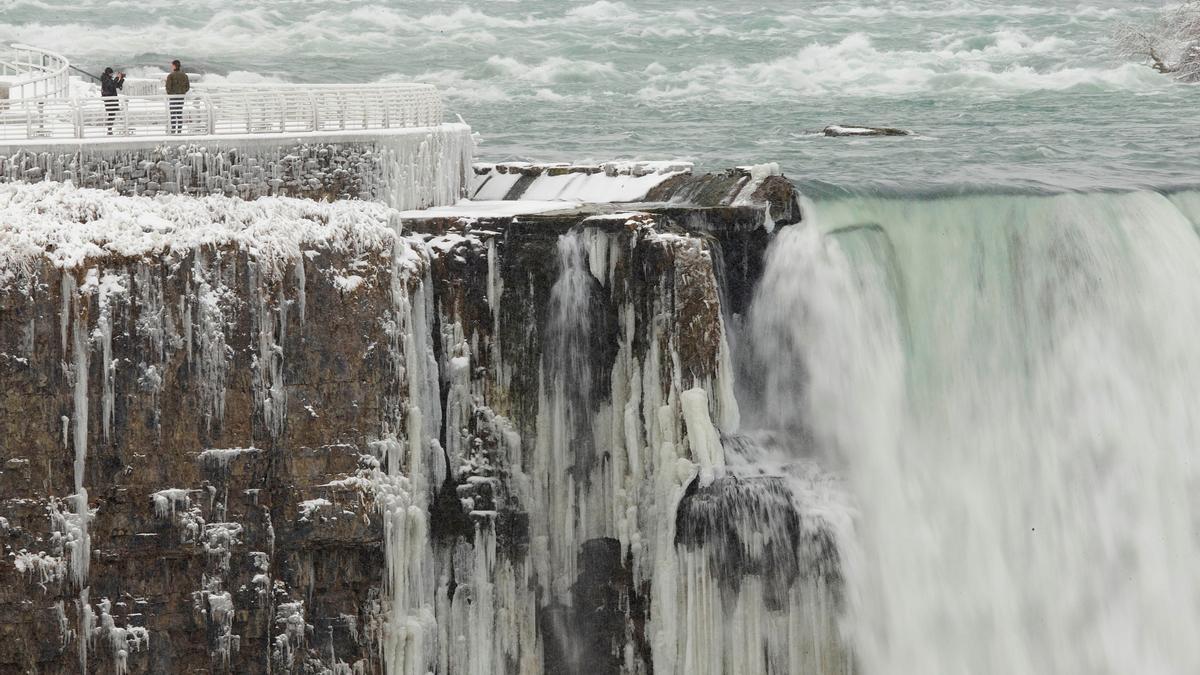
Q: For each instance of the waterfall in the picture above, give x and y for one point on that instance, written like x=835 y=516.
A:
x=1010 y=386
x=566 y=455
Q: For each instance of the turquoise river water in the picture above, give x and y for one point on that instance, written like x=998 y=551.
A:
x=1014 y=94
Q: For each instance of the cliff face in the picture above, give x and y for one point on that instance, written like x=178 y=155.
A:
x=280 y=436
x=199 y=395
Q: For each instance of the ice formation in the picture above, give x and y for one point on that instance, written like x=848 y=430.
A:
x=584 y=184
x=167 y=502
x=545 y=422
x=409 y=168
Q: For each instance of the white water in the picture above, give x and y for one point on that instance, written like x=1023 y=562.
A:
x=1011 y=385
x=999 y=91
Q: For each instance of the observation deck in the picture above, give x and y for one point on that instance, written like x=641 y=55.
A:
x=39 y=104
x=383 y=142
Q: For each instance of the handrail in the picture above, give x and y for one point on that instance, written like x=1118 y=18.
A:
x=81 y=71
x=45 y=73
x=262 y=111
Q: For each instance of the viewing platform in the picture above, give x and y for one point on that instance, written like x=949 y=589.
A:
x=38 y=102
x=386 y=142
x=280 y=109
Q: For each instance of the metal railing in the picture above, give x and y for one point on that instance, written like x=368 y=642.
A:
x=29 y=73
x=268 y=110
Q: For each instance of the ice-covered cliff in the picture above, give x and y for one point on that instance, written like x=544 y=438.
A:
x=296 y=436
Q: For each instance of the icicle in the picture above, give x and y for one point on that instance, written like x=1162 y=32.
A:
x=702 y=435
x=82 y=554
x=109 y=287
x=212 y=363
x=301 y=287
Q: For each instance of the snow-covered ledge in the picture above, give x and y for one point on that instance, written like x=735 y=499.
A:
x=411 y=168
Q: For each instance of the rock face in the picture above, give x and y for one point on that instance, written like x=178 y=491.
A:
x=283 y=437
x=205 y=403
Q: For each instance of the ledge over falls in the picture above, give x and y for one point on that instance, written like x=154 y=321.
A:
x=308 y=437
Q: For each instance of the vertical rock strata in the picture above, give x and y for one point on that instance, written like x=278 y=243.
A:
x=280 y=436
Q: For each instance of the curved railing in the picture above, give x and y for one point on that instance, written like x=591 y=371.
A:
x=29 y=73
x=273 y=110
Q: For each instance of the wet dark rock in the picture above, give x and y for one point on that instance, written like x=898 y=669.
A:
x=589 y=637
x=837 y=131
x=749 y=526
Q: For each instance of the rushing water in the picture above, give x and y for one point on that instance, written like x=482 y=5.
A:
x=1009 y=385
x=1022 y=93
x=1007 y=380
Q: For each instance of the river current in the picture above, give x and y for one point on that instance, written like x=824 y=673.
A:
x=1011 y=95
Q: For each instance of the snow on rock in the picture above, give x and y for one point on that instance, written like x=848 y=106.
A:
x=68 y=226
x=347 y=283
x=221 y=457
x=310 y=506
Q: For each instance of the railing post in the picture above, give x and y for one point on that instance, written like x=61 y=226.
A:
x=77 y=113
x=315 y=101
x=211 y=113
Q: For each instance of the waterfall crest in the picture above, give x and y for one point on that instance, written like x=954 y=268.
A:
x=1009 y=385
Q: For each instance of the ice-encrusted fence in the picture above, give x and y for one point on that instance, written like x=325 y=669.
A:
x=32 y=73
x=275 y=110
x=405 y=168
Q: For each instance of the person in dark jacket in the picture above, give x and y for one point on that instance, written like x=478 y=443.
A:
x=110 y=84
x=177 y=86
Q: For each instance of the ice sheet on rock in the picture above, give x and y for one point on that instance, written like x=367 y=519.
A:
x=589 y=184
x=596 y=188
x=494 y=186
x=490 y=209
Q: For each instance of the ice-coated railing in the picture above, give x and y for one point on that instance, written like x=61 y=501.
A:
x=263 y=110
x=29 y=73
